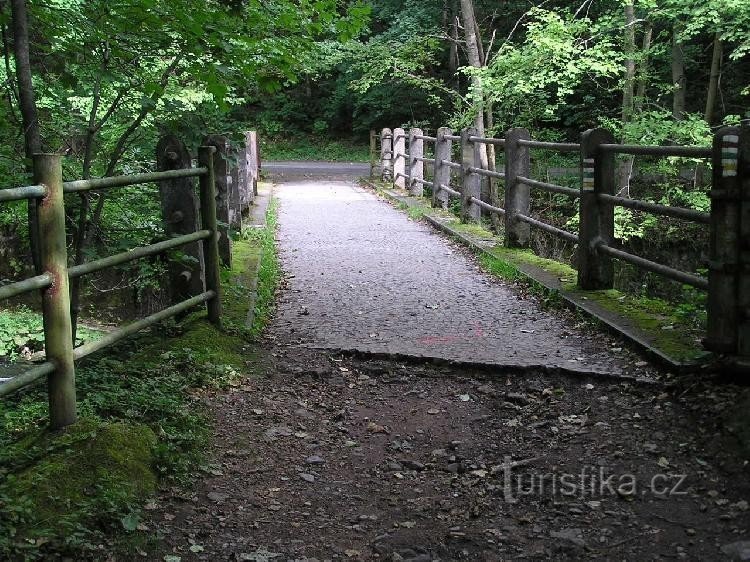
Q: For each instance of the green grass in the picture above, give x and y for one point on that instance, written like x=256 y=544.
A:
x=314 y=148
x=142 y=421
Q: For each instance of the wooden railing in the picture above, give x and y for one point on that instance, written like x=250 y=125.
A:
x=728 y=280
x=201 y=225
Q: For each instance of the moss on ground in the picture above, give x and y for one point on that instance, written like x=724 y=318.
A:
x=72 y=480
x=141 y=421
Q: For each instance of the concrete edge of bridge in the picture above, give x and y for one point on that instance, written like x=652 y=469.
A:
x=610 y=321
x=494 y=369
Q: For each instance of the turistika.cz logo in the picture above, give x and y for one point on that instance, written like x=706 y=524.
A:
x=590 y=482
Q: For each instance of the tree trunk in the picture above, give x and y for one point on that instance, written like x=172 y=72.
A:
x=679 y=80
x=475 y=59
x=629 y=50
x=628 y=88
x=713 y=82
x=27 y=102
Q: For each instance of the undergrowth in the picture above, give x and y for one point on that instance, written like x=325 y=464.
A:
x=142 y=423
x=314 y=148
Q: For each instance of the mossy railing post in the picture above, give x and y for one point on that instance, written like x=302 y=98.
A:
x=221 y=178
x=180 y=215
x=209 y=222
x=471 y=183
x=399 y=157
x=517 y=196
x=724 y=290
x=597 y=218
x=442 y=172
x=416 y=165
x=252 y=153
x=386 y=154
x=58 y=332
x=373 y=153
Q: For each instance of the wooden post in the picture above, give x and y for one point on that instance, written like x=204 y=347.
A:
x=179 y=211
x=471 y=184
x=234 y=200
x=416 y=166
x=222 y=175
x=517 y=196
x=208 y=221
x=597 y=218
x=728 y=225
x=374 y=172
x=58 y=331
x=742 y=164
x=253 y=160
x=399 y=158
x=442 y=174
x=386 y=154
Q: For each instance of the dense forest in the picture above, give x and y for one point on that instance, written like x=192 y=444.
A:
x=100 y=81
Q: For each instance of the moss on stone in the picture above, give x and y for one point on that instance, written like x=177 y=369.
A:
x=78 y=479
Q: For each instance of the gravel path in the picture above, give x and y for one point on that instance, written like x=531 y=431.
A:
x=364 y=277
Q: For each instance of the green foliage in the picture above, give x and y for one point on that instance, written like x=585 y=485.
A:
x=22 y=333
x=314 y=148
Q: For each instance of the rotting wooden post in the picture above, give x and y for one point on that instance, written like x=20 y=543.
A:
x=517 y=196
x=386 y=154
x=222 y=175
x=416 y=166
x=471 y=184
x=253 y=161
x=179 y=210
x=399 y=157
x=729 y=221
x=206 y=159
x=442 y=172
x=58 y=331
x=597 y=218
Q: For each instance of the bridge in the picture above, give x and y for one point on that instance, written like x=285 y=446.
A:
x=416 y=397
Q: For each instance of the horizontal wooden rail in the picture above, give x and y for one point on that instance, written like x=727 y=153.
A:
x=21 y=193
x=133 y=179
x=487 y=173
x=137 y=326
x=422 y=159
x=692 y=215
x=487 y=206
x=483 y=140
x=454 y=165
x=554 y=188
x=449 y=190
x=26 y=286
x=425 y=138
x=660 y=269
x=137 y=253
x=685 y=151
x=560 y=233
x=558 y=146
x=25 y=379
x=453 y=137
x=424 y=182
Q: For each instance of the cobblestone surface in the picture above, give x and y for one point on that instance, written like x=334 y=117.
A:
x=364 y=277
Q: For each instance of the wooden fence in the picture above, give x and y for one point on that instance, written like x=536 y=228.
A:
x=227 y=177
x=402 y=162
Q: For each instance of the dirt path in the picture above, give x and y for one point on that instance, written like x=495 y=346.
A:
x=329 y=457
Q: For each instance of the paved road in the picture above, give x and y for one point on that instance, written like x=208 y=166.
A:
x=365 y=277
x=298 y=169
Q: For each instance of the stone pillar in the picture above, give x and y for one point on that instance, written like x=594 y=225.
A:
x=386 y=154
x=442 y=175
x=399 y=158
x=471 y=184
x=416 y=166
x=517 y=196
x=222 y=179
x=179 y=211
